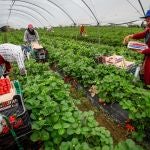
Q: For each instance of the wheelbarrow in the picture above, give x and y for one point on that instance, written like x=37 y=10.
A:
x=39 y=52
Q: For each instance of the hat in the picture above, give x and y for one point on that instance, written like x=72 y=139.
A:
x=30 y=26
x=147 y=14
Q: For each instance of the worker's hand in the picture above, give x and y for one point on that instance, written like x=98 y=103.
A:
x=139 y=51
x=127 y=38
x=136 y=50
x=27 y=43
x=38 y=42
x=23 y=71
x=7 y=72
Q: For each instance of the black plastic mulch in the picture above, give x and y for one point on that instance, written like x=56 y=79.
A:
x=114 y=110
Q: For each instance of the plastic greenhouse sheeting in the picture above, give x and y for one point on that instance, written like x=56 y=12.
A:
x=45 y=13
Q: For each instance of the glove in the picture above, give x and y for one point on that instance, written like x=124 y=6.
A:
x=127 y=38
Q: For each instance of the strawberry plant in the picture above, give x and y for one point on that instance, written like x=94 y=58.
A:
x=55 y=118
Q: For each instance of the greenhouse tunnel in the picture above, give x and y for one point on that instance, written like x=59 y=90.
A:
x=73 y=75
x=64 y=12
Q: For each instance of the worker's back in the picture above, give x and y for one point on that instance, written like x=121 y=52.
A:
x=10 y=51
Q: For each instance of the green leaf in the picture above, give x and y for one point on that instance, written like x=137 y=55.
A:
x=85 y=129
x=91 y=125
x=35 y=136
x=71 y=119
x=127 y=145
x=44 y=135
x=48 y=145
x=105 y=147
x=42 y=122
x=85 y=146
x=70 y=131
x=78 y=131
x=138 y=115
x=66 y=125
x=33 y=116
x=57 y=140
x=36 y=126
x=61 y=131
x=74 y=141
x=57 y=126
x=29 y=106
x=39 y=97
x=68 y=114
x=55 y=118
x=64 y=146
x=75 y=125
x=53 y=84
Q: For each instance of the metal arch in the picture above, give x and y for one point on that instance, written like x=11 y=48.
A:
x=24 y=16
x=32 y=4
x=12 y=3
x=134 y=7
x=45 y=9
x=63 y=11
x=141 y=7
x=25 y=13
x=9 y=22
x=123 y=22
x=33 y=10
x=81 y=8
x=30 y=9
x=91 y=11
x=3 y=24
x=28 y=14
x=21 y=15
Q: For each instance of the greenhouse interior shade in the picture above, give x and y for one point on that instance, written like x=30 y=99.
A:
x=47 y=13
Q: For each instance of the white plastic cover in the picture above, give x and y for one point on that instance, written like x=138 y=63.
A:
x=45 y=13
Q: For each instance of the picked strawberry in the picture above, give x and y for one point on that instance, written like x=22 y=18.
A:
x=12 y=119
x=18 y=124
x=5 y=130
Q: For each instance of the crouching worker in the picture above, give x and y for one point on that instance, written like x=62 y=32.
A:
x=10 y=53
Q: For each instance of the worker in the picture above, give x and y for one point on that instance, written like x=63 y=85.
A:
x=82 y=30
x=31 y=35
x=11 y=53
x=144 y=35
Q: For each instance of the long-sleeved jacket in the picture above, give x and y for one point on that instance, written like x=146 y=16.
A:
x=146 y=52
x=31 y=38
x=11 y=53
